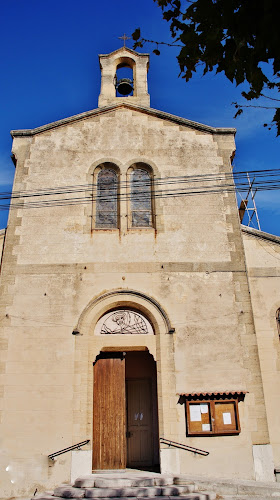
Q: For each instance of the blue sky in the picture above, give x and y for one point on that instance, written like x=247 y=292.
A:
x=50 y=70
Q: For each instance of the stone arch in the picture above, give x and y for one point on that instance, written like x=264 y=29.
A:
x=146 y=161
x=101 y=161
x=119 y=298
x=125 y=61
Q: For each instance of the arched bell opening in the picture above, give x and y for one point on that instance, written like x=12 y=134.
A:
x=125 y=78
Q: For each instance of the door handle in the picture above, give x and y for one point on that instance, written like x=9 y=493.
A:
x=128 y=434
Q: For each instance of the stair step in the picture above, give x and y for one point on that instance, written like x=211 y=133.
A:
x=177 y=490
x=118 y=482
x=85 y=481
x=132 y=491
x=190 y=496
x=246 y=497
x=69 y=492
x=44 y=496
x=92 y=480
x=138 y=492
x=232 y=488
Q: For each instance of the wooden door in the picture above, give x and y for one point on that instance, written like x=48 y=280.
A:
x=139 y=423
x=109 y=414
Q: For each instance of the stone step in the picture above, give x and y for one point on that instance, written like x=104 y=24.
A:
x=110 y=481
x=68 y=491
x=152 y=491
x=127 y=491
x=246 y=497
x=189 y=496
x=177 y=490
x=232 y=488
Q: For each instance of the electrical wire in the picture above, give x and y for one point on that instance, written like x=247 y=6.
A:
x=156 y=181
x=268 y=180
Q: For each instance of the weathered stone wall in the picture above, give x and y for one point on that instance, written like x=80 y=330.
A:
x=263 y=262
x=192 y=265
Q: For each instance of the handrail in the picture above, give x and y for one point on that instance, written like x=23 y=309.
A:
x=73 y=447
x=184 y=447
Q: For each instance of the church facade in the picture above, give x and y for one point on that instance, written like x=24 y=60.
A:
x=138 y=316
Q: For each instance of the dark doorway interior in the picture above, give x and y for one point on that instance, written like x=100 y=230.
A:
x=142 y=411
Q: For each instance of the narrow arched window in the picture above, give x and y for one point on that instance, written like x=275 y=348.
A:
x=141 y=198
x=278 y=320
x=107 y=199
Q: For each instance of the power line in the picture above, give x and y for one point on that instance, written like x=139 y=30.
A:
x=266 y=180
x=110 y=198
x=156 y=181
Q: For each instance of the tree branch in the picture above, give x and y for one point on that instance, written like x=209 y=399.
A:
x=145 y=40
x=271 y=98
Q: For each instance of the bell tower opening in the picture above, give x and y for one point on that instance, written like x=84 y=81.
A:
x=124 y=78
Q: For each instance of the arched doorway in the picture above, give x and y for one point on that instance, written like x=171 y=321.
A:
x=95 y=343
x=125 y=411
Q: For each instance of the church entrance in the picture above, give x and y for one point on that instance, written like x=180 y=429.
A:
x=125 y=414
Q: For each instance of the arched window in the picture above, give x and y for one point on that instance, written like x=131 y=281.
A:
x=278 y=320
x=141 y=198
x=107 y=199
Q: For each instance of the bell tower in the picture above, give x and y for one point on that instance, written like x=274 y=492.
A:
x=115 y=89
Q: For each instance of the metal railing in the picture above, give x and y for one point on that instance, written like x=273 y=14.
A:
x=184 y=447
x=70 y=448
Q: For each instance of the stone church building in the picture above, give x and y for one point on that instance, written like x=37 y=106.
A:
x=135 y=319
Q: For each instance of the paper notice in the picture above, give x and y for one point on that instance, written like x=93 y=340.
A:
x=227 y=418
x=195 y=413
x=206 y=427
x=204 y=408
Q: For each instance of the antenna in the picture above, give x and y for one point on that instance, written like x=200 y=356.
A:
x=248 y=205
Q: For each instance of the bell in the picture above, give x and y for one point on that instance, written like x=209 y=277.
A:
x=124 y=86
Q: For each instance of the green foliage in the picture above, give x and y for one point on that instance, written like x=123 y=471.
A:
x=239 y=38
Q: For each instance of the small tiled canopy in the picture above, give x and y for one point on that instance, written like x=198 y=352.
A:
x=196 y=396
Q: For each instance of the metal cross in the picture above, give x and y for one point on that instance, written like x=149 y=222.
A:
x=124 y=38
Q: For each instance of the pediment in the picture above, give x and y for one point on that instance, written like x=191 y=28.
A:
x=162 y=115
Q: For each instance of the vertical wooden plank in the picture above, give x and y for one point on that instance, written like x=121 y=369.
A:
x=109 y=416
